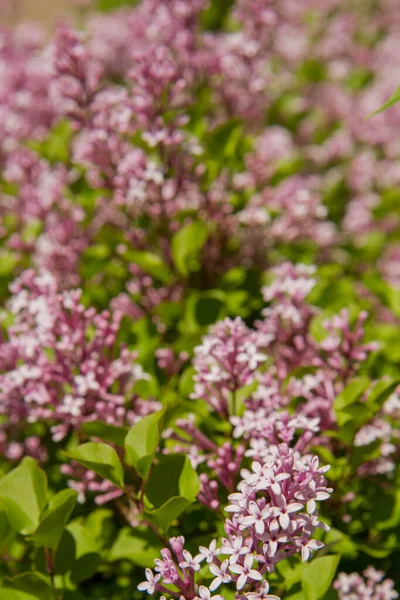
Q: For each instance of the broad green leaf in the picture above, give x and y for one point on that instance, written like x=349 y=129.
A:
x=52 y=524
x=393 y=299
x=380 y=393
x=172 y=487
x=8 y=262
x=291 y=571
x=351 y=393
x=65 y=553
x=150 y=263
x=216 y=14
x=187 y=244
x=31 y=583
x=224 y=139
x=295 y=596
x=23 y=494
x=382 y=548
x=362 y=454
x=142 y=440
x=208 y=309
x=106 y=432
x=394 y=99
x=318 y=576
x=385 y=513
x=140 y=547
x=87 y=557
x=186 y=382
x=110 y=5
x=341 y=543
x=100 y=458
x=4 y=526
x=100 y=526
x=73 y=595
x=146 y=388
x=393 y=519
x=164 y=516
x=202 y=310
x=7 y=593
x=350 y=419
x=97 y=251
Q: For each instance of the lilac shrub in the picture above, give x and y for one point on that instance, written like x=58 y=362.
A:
x=199 y=249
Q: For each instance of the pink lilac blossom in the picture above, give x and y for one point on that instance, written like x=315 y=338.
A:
x=42 y=202
x=171 y=569
x=25 y=107
x=381 y=429
x=274 y=515
x=61 y=363
x=370 y=584
x=225 y=362
x=390 y=265
x=281 y=343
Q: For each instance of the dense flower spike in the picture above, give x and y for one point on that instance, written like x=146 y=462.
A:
x=225 y=362
x=171 y=569
x=271 y=523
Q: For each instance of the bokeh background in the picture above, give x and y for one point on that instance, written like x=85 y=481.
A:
x=45 y=12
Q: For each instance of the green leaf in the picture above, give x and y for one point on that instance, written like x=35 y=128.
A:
x=291 y=571
x=30 y=583
x=216 y=14
x=100 y=458
x=380 y=393
x=186 y=382
x=8 y=262
x=172 y=487
x=382 y=548
x=224 y=139
x=392 y=295
x=394 y=99
x=65 y=553
x=341 y=543
x=187 y=244
x=142 y=440
x=318 y=576
x=202 y=310
x=23 y=494
x=140 y=547
x=110 y=5
x=56 y=147
x=10 y=594
x=295 y=596
x=87 y=557
x=51 y=527
x=146 y=388
x=150 y=263
x=4 y=527
x=351 y=393
x=207 y=310
x=106 y=432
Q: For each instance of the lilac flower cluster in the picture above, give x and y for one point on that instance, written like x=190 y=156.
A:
x=61 y=363
x=258 y=367
x=274 y=516
x=273 y=526
x=233 y=356
x=371 y=584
